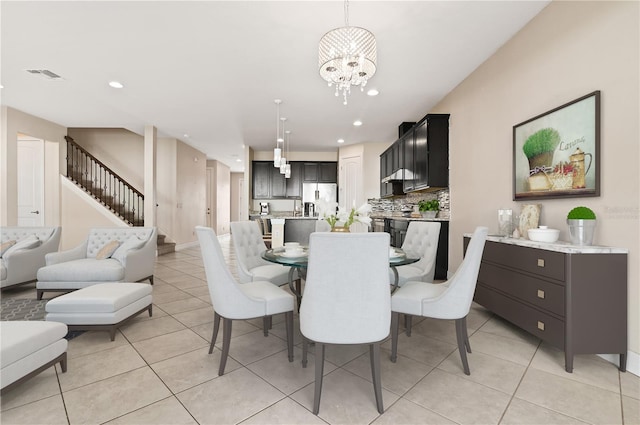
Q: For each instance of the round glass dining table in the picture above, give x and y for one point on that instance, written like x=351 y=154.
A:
x=298 y=263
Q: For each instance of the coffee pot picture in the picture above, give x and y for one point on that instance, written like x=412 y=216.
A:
x=579 y=172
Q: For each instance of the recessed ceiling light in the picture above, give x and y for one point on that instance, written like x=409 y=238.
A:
x=373 y=92
x=238 y=160
x=116 y=84
x=357 y=123
x=186 y=136
x=340 y=140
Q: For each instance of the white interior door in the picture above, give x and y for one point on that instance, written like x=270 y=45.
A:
x=30 y=182
x=351 y=182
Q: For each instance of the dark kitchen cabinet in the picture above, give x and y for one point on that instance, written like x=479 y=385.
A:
x=278 y=183
x=269 y=183
x=294 y=183
x=431 y=152
x=408 y=162
x=320 y=172
x=327 y=172
x=262 y=179
x=396 y=152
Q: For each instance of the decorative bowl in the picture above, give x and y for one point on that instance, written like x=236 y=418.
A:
x=543 y=234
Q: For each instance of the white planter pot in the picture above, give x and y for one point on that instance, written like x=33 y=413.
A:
x=581 y=231
x=428 y=214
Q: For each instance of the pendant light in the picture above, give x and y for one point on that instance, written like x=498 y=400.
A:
x=283 y=160
x=277 y=151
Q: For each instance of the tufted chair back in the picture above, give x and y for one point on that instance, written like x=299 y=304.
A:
x=422 y=240
x=98 y=237
x=248 y=245
x=18 y=233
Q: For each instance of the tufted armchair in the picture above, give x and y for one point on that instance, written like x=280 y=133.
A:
x=421 y=241
x=20 y=262
x=91 y=262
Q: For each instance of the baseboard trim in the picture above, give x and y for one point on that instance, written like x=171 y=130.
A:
x=186 y=245
x=633 y=361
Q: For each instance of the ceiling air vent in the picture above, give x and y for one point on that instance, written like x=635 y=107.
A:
x=45 y=73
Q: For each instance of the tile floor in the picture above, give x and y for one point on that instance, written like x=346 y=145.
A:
x=157 y=371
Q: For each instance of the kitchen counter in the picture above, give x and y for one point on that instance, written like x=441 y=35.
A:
x=380 y=217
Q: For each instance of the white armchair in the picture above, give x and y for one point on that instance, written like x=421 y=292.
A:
x=82 y=266
x=20 y=262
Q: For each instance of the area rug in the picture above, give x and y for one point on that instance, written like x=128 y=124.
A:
x=27 y=309
x=22 y=309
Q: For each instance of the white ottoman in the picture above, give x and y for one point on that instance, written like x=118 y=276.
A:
x=27 y=348
x=100 y=307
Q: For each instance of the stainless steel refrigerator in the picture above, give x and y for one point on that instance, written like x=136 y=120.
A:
x=314 y=191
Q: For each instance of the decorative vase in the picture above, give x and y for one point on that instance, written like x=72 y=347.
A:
x=581 y=231
x=343 y=229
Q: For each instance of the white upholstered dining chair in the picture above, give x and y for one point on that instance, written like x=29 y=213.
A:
x=450 y=300
x=249 y=246
x=233 y=301
x=420 y=241
x=346 y=298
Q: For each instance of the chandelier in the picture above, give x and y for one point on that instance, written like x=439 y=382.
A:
x=347 y=57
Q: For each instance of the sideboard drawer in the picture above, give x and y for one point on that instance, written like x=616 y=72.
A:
x=541 y=262
x=538 y=292
x=542 y=325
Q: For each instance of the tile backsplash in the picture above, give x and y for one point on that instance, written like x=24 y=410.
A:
x=389 y=206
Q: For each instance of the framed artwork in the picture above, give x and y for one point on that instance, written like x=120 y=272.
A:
x=557 y=153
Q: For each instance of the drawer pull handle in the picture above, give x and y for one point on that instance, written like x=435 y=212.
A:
x=540 y=293
x=540 y=325
x=540 y=262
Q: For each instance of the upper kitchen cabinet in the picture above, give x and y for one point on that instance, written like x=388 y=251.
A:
x=262 y=179
x=431 y=152
x=269 y=183
x=407 y=143
x=320 y=172
x=294 y=183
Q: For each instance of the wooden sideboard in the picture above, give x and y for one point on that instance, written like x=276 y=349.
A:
x=573 y=297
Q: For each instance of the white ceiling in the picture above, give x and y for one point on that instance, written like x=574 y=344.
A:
x=213 y=69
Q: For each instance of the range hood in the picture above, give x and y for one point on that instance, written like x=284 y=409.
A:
x=401 y=174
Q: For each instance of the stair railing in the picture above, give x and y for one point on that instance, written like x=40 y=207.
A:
x=104 y=185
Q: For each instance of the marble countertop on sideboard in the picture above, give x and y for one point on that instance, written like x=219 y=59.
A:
x=559 y=246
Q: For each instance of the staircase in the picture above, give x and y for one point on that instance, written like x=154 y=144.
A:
x=106 y=187
x=165 y=247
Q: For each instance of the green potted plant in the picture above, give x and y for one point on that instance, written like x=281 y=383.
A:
x=539 y=147
x=429 y=209
x=582 y=225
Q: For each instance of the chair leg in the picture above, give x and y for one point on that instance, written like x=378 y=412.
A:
x=63 y=363
x=319 y=373
x=265 y=325
x=226 y=341
x=216 y=326
x=461 y=345
x=395 y=319
x=305 y=349
x=289 y=322
x=150 y=310
x=374 y=355
x=407 y=323
x=466 y=334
